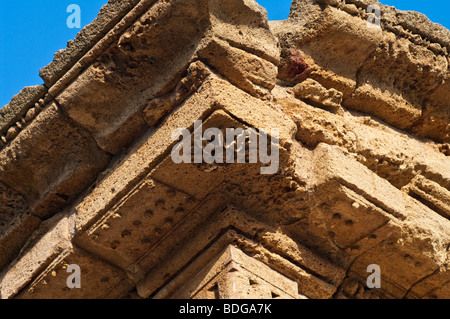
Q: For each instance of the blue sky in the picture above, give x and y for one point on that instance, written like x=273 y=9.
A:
x=31 y=31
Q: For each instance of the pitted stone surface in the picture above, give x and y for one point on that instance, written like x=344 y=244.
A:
x=87 y=177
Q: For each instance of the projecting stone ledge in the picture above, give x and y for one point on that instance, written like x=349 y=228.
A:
x=119 y=78
x=87 y=177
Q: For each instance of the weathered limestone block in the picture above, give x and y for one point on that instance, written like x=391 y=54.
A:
x=310 y=285
x=138 y=222
x=436 y=114
x=143 y=63
x=51 y=161
x=15 y=234
x=243 y=23
x=234 y=275
x=413 y=229
x=17 y=109
x=213 y=95
x=410 y=74
x=344 y=218
x=148 y=59
x=314 y=92
x=432 y=193
x=87 y=176
x=328 y=39
x=379 y=198
x=393 y=155
x=403 y=268
x=51 y=239
x=247 y=71
x=431 y=287
x=354 y=287
x=128 y=219
x=442 y=292
x=99 y=280
x=197 y=72
x=16 y=223
x=40 y=269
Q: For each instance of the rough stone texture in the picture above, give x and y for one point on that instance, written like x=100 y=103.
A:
x=16 y=223
x=108 y=17
x=234 y=275
x=17 y=109
x=398 y=72
x=87 y=178
x=315 y=93
x=51 y=161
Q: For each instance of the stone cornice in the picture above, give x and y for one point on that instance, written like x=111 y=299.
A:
x=410 y=25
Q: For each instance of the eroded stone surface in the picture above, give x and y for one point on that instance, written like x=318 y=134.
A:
x=394 y=78
x=87 y=178
x=221 y=277
x=51 y=161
